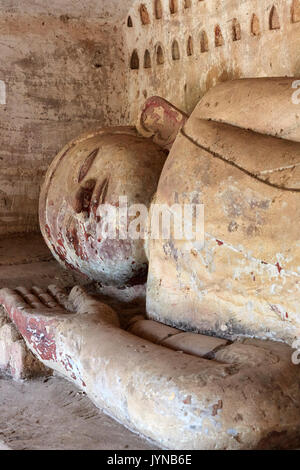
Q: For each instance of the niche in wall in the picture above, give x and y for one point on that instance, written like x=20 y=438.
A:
x=296 y=11
x=158 y=9
x=145 y=18
x=147 y=60
x=175 y=50
x=255 y=26
x=160 y=59
x=203 y=42
x=190 y=46
x=274 y=22
x=219 y=40
x=173 y=4
x=236 y=30
x=135 y=61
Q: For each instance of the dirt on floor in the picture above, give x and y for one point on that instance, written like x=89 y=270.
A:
x=51 y=414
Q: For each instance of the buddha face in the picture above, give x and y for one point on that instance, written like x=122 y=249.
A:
x=97 y=169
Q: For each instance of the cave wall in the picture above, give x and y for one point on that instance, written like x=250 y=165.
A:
x=59 y=66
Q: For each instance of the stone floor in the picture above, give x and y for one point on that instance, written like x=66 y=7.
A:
x=51 y=413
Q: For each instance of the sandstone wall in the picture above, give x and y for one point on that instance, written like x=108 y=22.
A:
x=59 y=62
x=206 y=41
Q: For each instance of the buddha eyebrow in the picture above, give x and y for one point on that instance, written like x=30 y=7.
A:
x=85 y=167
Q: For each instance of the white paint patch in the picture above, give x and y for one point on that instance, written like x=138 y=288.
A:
x=3 y=446
x=2 y=92
x=282 y=168
x=296 y=94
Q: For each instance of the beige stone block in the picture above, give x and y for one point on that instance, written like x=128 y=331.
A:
x=9 y=334
x=152 y=331
x=17 y=360
x=195 y=344
x=4 y=355
x=15 y=357
x=282 y=350
x=3 y=317
x=23 y=364
x=238 y=353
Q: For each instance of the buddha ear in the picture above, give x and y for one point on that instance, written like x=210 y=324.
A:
x=160 y=120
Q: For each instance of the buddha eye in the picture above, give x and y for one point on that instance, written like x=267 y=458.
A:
x=85 y=167
x=82 y=198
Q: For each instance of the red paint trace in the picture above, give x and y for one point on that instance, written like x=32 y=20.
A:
x=279 y=268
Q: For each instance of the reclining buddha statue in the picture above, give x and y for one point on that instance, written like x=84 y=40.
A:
x=238 y=155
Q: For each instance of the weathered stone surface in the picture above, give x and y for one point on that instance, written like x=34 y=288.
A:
x=58 y=66
x=264 y=105
x=279 y=349
x=152 y=331
x=159 y=392
x=250 y=355
x=245 y=279
x=8 y=335
x=15 y=358
x=23 y=364
x=196 y=344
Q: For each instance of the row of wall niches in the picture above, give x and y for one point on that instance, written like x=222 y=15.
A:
x=174 y=6
x=203 y=45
